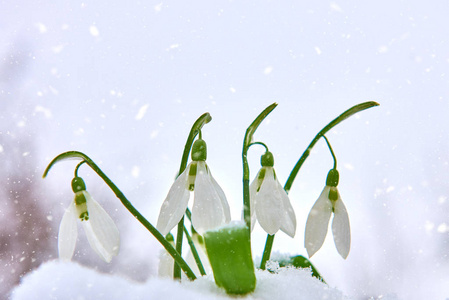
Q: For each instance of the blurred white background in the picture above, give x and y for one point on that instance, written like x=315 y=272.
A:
x=124 y=81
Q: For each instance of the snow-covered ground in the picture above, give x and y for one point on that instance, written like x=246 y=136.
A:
x=66 y=280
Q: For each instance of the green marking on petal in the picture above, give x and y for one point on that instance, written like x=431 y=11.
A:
x=260 y=178
x=333 y=194
x=81 y=206
x=192 y=176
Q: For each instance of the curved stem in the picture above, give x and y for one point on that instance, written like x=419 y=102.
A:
x=176 y=256
x=246 y=144
x=332 y=152
x=259 y=143
x=353 y=110
x=78 y=166
x=196 y=129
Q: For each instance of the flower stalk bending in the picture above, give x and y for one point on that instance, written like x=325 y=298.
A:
x=172 y=251
x=291 y=178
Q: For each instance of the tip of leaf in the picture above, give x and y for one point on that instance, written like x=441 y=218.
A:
x=208 y=118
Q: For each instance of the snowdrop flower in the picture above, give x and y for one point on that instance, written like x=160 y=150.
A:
x=102 y=234
x=318 y=221
x=210 y=207
x=166 y=261
x=270 y=204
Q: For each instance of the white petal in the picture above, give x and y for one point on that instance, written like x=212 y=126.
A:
x=175 y=204
x=68 y=233
x=190 y=260
x=222 y=196
x=341 y=229
x=165 y=264
x=268 y=204
x=289 y=220
x=207 y=211
x=318 y=222
x=252 y=195
x=101 y=231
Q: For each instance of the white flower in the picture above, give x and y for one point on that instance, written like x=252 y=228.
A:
x=210 y=207
x=102 y=234
x=318 y=222
x=166 y=261
x=270 y=204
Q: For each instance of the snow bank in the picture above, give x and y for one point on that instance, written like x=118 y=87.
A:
x=68 y=280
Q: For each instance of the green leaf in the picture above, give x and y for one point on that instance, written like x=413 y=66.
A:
x=253 y=127
x=229 y=252
x=300 y=261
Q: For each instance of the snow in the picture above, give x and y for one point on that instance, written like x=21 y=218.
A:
x=68 y=280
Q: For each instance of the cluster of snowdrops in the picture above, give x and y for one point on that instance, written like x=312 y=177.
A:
x=213 y=239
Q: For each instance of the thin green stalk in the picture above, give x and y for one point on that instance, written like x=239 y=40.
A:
x=179 y=236
x=267 y=251
x=194 y=252
x=176 y=256
x=246 y=144
x=332 y=152
x=196 y=128
x=192 y=245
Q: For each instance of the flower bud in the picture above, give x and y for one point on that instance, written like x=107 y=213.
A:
x=332 y=178
x=199 y=150
x=267 y=160
x=78 y=185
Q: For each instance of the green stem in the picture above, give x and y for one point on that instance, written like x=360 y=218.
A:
x=259 y=143
x=77 y=167
x=267 y=251
x=196 y=128
x=246 y=144
x=176 y=256
x=332 y=152
x=192 y=245
x=179 y=236
x=353 y=110
x=194 y=252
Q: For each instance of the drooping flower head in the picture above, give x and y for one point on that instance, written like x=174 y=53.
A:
x=210 y=208
x=270 y=204
x=101 y=232
x=318 y=220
